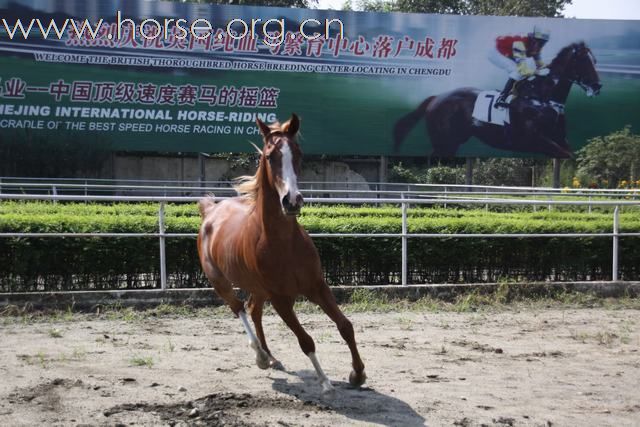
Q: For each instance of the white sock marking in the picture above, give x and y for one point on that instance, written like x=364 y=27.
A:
x=262 y=358
x=247 y=327
x=324 y=381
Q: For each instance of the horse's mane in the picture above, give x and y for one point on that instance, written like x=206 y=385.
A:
x=566 y=51
x=247 y=186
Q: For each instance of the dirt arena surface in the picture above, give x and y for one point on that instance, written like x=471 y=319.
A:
x=507 y=367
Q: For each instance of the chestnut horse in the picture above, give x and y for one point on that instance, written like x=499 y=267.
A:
x=255 y=242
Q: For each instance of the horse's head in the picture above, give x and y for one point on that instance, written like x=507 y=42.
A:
x=580 y=67
x=282 y=157
x=585 y=70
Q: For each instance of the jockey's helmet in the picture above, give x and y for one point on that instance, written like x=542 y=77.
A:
x=541 y=34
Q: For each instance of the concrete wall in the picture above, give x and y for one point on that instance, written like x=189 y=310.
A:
x=354 y=175
x=167 y=168
x=334 y=172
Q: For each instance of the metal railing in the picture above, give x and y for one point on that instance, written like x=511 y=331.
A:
x=86 y=187
x=404 y=200
x=53 y=186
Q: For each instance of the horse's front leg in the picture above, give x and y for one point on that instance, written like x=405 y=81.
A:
x=255 y=307
x=325 y=299
x=560 y=135
x=555 y=149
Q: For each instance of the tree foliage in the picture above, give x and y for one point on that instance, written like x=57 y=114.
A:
x=610 y=161
x=549 y=8
x=272 y=3
x=503 y=171
x=439 y=174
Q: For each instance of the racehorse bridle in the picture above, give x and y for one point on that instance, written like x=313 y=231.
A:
x=578 y=53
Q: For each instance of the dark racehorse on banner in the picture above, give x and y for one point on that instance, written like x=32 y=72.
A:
x=535 y=122
x=255 y=242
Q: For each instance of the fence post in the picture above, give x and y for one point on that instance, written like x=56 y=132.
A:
x=445 y=197
x=404 y=242
x=616 y=238
x=163 y=263
x=486 y=206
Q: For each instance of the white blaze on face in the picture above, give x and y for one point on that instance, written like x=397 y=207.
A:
x=592 y=58
x=590 y=91
x=289 y=178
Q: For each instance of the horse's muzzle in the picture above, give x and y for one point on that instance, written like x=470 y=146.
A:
x=292 y=208
x=597 y=88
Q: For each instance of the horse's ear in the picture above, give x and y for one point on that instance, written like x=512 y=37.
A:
x=292 y=126
x=264 y=129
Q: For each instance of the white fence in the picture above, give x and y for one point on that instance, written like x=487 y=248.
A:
x=78 y=186
x=405 y=199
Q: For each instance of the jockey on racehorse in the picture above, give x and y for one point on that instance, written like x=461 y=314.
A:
x=511 y=53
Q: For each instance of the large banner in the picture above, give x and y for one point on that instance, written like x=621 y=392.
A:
x=187 y=77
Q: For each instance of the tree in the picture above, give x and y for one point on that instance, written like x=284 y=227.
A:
x=503 y=171
x=611 y=160
x=348 y=6
x=457 y=7
x=273 y=3
x=439 y=174
x=550 y=8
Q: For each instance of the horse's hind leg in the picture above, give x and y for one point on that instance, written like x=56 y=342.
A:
x=325 y=299
x=443 y=145
x=255 y=306
x=220 y=284
x=284 y=307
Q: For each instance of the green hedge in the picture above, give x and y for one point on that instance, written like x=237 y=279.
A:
x=36 y=264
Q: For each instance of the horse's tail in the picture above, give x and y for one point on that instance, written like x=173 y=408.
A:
x=406 y=123
x=206 y=203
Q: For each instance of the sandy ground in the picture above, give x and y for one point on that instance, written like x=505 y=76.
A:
x=538 y=367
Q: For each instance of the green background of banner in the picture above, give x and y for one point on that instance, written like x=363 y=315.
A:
x=336 y=117
x=342 y=114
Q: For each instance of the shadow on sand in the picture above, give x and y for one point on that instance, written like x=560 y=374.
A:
x=363 y=404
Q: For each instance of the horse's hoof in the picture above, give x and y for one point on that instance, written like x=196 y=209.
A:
x=262 y=360
x=275 y=364
x=357 y=379
x=328 y=390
